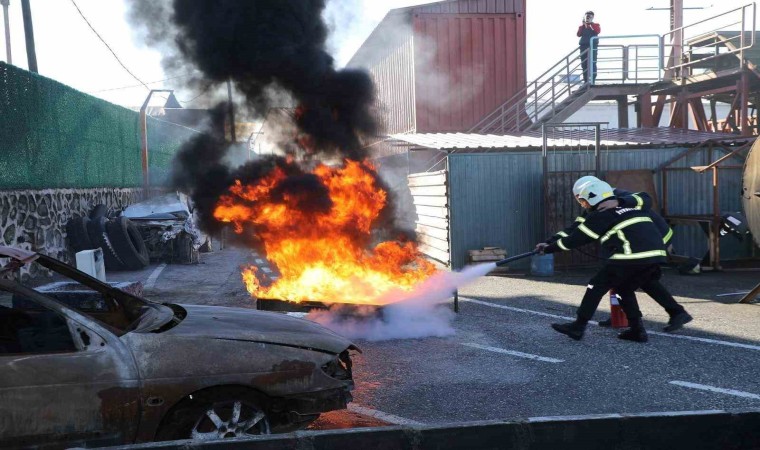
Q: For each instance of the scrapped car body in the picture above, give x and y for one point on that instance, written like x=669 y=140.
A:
x=132 y=370
x=168 y=228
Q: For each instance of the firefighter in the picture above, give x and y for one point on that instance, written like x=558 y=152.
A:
x=631 y=246
x=678 y=316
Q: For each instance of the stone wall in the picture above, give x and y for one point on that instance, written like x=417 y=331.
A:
x=36 y=219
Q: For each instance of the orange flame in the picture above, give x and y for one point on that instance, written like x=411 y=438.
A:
x=325 y=255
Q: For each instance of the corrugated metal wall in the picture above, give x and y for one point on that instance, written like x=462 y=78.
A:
x=474 y=7
x=466 y=65
x=444 y=66
x=388 y=55
x=430 y=194
x=394 y=78
x=496 y=199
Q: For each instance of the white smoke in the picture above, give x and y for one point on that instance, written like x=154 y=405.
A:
x=408 y=315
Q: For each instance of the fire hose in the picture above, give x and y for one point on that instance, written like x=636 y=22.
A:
x=504 y=262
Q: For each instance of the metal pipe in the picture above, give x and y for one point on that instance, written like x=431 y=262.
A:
x=144 y=140
x=545 y=171
x=8 y=53
x=597 y=149
x=233 y=137
x=504 y=262
x=144 y=150
x=683 y=27
x=31 y=53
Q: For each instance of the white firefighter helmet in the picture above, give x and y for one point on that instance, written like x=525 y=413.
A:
x=595 y=192
x=581 y=181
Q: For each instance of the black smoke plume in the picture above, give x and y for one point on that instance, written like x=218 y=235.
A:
x=200 y=171
x=266 y=44
x=262 y=46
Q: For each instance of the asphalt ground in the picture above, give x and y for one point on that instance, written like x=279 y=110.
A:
x=505 y=362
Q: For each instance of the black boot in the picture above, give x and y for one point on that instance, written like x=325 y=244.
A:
x=572 y=329
x=606 y=323
x=678 y=321
x=636 y=333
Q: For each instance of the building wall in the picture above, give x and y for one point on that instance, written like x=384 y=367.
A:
x=388 y=55
x=496 y=199
x=394 y=77
x=466 y=65
x=444 y=66
x=474 y=7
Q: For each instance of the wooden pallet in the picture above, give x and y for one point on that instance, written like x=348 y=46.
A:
x=489 y=254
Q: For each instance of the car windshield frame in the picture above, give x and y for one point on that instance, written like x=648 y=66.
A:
x=150 y=315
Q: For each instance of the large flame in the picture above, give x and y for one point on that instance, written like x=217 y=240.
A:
x=323 y=254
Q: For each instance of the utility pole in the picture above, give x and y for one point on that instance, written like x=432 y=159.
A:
x=8 y=55
x=676 y=22
x=233 y=138
x=31 y=53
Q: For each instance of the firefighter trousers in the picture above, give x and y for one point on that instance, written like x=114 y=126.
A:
x=625 y=280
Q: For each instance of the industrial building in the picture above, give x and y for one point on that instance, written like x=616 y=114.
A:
x=485 y=149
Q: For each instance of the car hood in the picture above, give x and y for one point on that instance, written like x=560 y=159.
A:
x=218 y=322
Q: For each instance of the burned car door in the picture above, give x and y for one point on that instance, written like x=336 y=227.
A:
x=64 y=379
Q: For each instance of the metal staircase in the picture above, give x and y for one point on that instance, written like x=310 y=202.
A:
x=549 y=94
x=632 y=65
x=624 y=68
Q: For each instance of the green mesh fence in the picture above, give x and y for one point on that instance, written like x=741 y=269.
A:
x=52 y=136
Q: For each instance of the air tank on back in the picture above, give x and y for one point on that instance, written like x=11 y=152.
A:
x=751 y=191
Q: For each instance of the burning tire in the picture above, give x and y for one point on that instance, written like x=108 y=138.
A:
x=76 y=232
x=128 y=243
x=215 y=414
x=96 y=230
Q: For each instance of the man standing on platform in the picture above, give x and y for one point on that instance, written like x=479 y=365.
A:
x=586 y=31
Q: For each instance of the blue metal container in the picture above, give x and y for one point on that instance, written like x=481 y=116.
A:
x=542 y=265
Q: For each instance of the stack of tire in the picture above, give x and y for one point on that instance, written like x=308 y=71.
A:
x=120 y=239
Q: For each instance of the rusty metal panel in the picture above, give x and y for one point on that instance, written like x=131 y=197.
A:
x=465 y=66
x=474 y=7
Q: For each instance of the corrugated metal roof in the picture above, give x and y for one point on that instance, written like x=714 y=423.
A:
x=565 y=138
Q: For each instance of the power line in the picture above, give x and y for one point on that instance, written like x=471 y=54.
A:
x=107 y=46
x=140 y=85
x=203 y=92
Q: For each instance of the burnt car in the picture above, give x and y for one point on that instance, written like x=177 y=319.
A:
x=90 y=364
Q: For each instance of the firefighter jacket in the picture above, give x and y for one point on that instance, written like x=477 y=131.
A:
x=627 y=199
x=627 y=236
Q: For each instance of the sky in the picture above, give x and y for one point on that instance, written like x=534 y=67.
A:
x=70 y=52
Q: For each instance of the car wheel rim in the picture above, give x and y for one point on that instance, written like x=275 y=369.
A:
x=230 y=420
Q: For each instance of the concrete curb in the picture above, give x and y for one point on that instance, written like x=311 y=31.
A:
x=671 y=430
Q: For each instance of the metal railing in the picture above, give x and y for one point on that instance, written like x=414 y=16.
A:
x=523 y=109
x=620 y=63
x=545 y=97
x=700 y=42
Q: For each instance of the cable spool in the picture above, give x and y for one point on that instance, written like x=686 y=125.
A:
x=751 y=191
